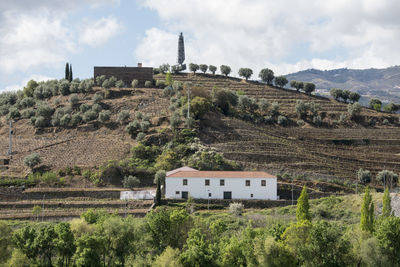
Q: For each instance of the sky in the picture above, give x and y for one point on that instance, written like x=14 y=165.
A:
x=38 y=37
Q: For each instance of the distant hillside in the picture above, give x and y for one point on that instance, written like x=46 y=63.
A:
x=380 y=83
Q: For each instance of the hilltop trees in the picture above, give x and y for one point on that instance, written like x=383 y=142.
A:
x=375 y=104
x=266 y=75
x=245 y=72
x=213 y=69
x=66 y=77
x=225 y=70
x=297 y=85
x=193 y=67
x=345 y=95
x=309 y=88
x=203 y=68
x=281 y=81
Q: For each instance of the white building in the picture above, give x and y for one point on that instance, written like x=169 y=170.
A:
x=221 y=185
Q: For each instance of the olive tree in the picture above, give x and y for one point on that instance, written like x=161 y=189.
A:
x=309 y=88
x=193 y=67
x=203 y=68
x=281 y=81
x=213 y=69
x=225 y=70
x=266 y=75
x=245 y=72
x=32 y=160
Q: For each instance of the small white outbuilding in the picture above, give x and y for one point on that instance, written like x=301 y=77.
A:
x=221 y=185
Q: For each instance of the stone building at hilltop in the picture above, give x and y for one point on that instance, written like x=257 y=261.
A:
x=126 y=74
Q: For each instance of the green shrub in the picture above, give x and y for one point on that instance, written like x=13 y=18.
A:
x=97 y=97
x=236 y=208
x=28 y=113
x=65 y=120
x=140 y=136
x=74 y=87
x=133 y=127
x=120 y=84
x=13 y=113
x=45 y=111
x=96 y=108
x=76 y=119
x=84 y=107
x=148 y=84
x=32 y=160
x=123 y=116
x=160 y=83
x=74 y=99
x=135 y=84
x=40 y=121
x=104 y=116
x=131 y=182
x=275 y=109
x=89 y=115
x=64 y=87
x=300 y=123
x=177 y=85
x=354 y=110
x=100 y=80
x=27 y=102
x=282 y=120
x=317 y=120
x=364 y=176
x=144 y=126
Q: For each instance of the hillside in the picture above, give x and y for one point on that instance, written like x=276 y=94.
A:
x=333 y=150
x=372 y=83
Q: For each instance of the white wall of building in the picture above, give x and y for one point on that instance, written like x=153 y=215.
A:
x=197 y=189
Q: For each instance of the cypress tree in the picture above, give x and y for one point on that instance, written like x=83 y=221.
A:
x=67 y=71
x=70 y=77
x=386 y=207
x=303 y=207
x=158 y=193
x=367 y=213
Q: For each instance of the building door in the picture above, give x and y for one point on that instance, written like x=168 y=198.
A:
x=227 y=195
x=185 y=194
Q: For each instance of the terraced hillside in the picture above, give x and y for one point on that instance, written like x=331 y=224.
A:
x=315 y=152
x=329 y=151
x=88 y=145
x=285 y=97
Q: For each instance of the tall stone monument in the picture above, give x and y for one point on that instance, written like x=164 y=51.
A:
x=181 y=50
x=181 y=56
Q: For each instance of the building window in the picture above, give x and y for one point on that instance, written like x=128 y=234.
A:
x=251 y=195
x=247 y=182
x=209 y=194
x=176 y=192
x=207 y=182
x=222 y=182
x=263 y=183
x=184 y=181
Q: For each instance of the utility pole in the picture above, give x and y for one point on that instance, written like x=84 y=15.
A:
x=10 y=139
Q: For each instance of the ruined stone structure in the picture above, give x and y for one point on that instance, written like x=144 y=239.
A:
x=126 y=74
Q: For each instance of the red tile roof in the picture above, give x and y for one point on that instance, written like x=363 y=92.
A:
x=184 y=168
x=220 y=174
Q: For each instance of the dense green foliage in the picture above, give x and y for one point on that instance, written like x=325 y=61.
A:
x=303 y=207
x=367 y=213
x=169 y=235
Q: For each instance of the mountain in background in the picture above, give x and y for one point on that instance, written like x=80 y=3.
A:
x=370 y=83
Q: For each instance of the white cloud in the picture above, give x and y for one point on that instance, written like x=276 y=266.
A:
x=281 y=34
x=37 y=34
x=98 y=32
x=36 y=77
x=29 y=41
